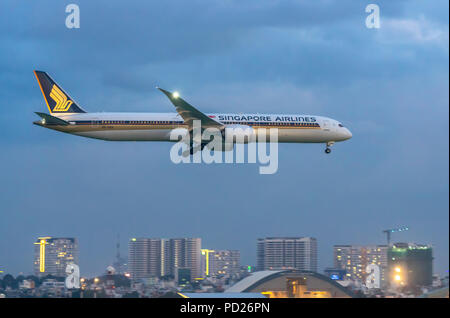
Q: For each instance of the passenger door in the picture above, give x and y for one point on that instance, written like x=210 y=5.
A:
x=94 y=123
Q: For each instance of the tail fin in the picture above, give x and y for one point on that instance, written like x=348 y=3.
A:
x=58 y=101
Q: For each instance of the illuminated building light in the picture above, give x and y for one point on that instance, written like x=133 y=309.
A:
x=206 y=253
x=42 y=243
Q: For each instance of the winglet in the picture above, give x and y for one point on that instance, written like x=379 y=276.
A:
x=174 y=97
x=188 y=112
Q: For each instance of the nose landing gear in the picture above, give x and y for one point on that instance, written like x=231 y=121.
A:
x=329 y=144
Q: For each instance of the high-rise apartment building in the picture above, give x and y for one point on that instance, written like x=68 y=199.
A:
x=354 y=259
x=216 y=263
x=287 y=253
x=185 y=253
x=145 y=258
x=156 y=257
x=52 y=254
x=410 y=265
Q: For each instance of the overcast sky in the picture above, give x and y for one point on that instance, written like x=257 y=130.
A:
x=388 y=85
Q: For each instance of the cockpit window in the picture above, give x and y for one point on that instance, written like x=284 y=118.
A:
x=340 y=125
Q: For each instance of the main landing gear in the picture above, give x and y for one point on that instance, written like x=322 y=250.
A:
x=329 y=144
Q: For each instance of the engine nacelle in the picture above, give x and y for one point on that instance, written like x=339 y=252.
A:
x=232 y=134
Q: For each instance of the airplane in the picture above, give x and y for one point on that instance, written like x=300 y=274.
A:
x=65 y=115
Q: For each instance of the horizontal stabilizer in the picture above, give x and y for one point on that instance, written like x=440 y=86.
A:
x=51 y=120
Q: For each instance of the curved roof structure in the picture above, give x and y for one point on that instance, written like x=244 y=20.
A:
x=244 y=284
x=257 y=279
x=222 y=295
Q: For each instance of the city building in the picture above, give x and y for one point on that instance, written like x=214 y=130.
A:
x=183 y=276
x=410 y=265
x=185 y=253
x=287 y=253
x=53 y=254
x=354 y=259
x=220 y=263
x=157 y=257
x=146 y=258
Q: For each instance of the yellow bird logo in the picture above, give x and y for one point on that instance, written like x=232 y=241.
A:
x=62 y=104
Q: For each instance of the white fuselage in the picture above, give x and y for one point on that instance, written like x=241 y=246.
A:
x=157 y=126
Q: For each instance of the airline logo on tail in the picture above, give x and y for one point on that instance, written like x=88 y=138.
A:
x=57 y=100
x=62 y=103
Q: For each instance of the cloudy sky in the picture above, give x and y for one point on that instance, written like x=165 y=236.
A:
x=388 y=85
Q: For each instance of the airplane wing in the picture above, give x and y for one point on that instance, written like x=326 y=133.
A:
x=189 y=113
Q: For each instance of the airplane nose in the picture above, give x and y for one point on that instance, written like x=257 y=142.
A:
x=348 y=134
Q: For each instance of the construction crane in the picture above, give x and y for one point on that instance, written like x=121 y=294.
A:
x=389 y=231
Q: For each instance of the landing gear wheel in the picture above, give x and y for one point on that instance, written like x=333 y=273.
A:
x=329 y=144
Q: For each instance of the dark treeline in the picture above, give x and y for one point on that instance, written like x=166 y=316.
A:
x=9 y=280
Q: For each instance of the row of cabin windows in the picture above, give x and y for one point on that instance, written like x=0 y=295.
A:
x=173 y=122
x=134 y=122
x=271 y=124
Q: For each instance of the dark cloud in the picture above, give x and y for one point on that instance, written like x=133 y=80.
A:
x=390 y=86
